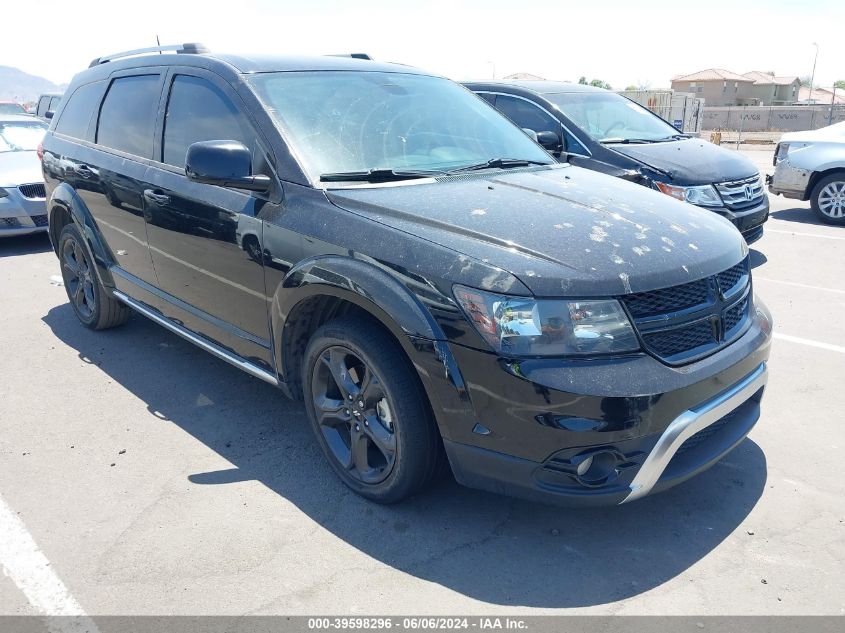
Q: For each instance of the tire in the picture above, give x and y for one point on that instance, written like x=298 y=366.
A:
x=93 y=306
x=390 y=412
x=828 y=199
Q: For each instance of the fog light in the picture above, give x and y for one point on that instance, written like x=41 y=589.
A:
x=597 y=468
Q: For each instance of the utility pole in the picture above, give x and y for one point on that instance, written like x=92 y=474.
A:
x=813 y=76
x=832 y=105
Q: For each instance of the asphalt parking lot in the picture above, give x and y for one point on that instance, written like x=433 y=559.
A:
x=150 y=477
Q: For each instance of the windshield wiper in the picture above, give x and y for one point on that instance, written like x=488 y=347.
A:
x=501 y=163
x=618 y=139
x=379 y=175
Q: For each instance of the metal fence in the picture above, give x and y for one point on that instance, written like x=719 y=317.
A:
x=771 y=118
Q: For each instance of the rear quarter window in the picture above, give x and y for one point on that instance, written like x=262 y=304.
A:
x=81 y=106
x=127 y=116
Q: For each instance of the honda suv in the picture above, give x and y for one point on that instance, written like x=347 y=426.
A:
x=384 y=245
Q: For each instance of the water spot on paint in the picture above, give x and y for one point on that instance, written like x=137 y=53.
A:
x=693 y=247
x=686 y=270
x=616 y=259
x=604 y=223
x=638 y=250
x=478 y=212
x=640 y=236
x=667 y=249
x=587 y=250
x=666 y=240
x=598 y=234
x=530 y=273
x=678 y=229
x=626 y=281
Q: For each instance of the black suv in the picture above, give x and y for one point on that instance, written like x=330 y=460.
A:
x=386 y=246
x=601 y=130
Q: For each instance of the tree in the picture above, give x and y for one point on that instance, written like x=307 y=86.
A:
x=582 y=80
x=598 y=83
x=805 y=81
x=840 y=84
x=632 y=87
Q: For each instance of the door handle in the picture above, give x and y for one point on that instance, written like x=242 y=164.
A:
x=156 y=197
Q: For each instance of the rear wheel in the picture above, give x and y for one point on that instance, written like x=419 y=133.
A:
x=94 y=308
x=368 y=410
x=828 y=198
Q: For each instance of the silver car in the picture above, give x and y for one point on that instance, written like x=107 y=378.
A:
x=23 y=208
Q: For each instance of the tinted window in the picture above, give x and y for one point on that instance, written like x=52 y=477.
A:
x=526 y=114
x=199 y=111
x=127 y=118
x=77 y=113
x=42 y=105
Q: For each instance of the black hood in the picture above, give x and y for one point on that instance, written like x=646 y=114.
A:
x=691 y=161
x=563 y=231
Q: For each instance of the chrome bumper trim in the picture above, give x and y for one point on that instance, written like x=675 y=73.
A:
x=688 y=424
x=197 y=340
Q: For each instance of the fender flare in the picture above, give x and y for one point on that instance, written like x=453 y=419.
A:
x=64 y=198
x=363 y=284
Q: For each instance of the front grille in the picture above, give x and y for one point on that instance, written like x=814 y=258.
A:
x=741 y=194
x=39 y=220
x=9 y=223
x=673 y=342
x=687 y=322
x=34 y=191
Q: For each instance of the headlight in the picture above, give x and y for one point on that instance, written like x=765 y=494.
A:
x=522 y=326
x=780 y=153
x=703 y=195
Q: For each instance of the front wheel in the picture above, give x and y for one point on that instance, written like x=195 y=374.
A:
x=368 y=410
x=828 y=199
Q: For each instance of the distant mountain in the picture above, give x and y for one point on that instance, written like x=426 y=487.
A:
x=23 y=87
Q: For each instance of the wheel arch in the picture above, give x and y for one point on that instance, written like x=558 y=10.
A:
x=317 y=290
x=65 y=206
x=817 y=176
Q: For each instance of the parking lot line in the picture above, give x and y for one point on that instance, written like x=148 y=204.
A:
x=802 y=234
x=800 y=285
x=29 y=569
x=810 y=343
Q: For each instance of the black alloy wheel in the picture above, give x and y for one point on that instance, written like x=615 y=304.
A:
x=354 y=414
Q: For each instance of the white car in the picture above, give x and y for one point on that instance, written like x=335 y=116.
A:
x=23 y=207
x=811 y=166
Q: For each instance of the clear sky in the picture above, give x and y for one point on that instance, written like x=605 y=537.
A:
x=622 y=42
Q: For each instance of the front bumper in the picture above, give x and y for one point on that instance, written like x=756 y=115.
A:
x=789 y=181
x=602 y=432
x=749 y=222
x=20 y=215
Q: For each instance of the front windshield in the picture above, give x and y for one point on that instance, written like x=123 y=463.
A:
x=12 y=108
x=608 y=116
x=21 y=137
x=341 y=122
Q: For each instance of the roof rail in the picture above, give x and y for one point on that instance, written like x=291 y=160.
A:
x=189 y=48
x=353 y=55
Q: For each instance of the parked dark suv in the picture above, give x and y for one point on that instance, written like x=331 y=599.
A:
x=601 y=130
x=386 y=246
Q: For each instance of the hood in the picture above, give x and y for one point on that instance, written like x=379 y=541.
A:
x=831 y=134
x=691 y=161
x=563 y=231
x=18 y=168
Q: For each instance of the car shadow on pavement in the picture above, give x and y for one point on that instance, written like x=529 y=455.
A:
x=801 y=215
x=24 y=245
x=757 y=258
x=490 y=548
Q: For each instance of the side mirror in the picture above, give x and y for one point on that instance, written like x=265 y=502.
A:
x=49 y=114
x=550 y=141
x=224 y=163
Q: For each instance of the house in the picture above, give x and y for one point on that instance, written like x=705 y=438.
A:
x=821 y=96
x=524 y=77
x=718 y=87
x=769 y=89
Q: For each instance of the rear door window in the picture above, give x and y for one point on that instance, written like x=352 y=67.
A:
x=127 y=117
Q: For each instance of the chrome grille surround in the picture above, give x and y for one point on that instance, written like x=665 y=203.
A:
x=741 y=194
